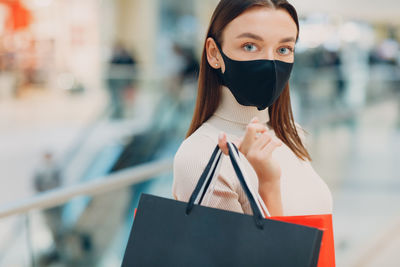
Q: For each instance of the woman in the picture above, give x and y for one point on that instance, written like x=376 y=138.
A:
x=243 y=97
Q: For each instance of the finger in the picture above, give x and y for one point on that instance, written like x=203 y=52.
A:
x=269 y=148
x=254 y=120
x=252 y=129
x=277 y=140
x=257 y=121
x=262 y=141
x=222 y=143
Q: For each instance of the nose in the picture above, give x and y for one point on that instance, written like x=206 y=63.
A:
x=270 y=55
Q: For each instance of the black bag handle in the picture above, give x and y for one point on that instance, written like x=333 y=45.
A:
x=204 y=191
x=210 y=169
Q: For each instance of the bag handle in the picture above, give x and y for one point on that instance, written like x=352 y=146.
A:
x=213 y=176
x=210 y=171
x=255 y=194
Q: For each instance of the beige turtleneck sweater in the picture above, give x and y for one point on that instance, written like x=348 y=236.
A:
x=303 y=191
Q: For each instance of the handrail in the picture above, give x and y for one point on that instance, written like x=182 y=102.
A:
x=56 y=197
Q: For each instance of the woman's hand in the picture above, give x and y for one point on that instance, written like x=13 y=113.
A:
x=257 y=146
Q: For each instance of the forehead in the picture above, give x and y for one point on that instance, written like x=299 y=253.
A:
x=270 y=24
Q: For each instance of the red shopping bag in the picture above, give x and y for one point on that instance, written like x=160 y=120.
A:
x=322 y=222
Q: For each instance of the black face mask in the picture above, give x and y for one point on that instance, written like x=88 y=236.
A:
x=256 y=83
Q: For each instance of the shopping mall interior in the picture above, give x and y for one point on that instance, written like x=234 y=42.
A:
x=97 y=95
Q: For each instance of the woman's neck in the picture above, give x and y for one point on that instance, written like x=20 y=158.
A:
x=229 y=109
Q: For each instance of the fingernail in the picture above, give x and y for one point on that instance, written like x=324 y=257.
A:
x=254 y=119
x=220 y=136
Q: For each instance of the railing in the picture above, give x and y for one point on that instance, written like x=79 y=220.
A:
x=109 y=183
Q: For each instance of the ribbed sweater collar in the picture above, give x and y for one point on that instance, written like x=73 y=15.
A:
x=229 y=109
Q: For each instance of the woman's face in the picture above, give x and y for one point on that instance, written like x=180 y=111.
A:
x=258 y=33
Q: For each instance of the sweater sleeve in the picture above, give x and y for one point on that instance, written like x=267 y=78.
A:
x=189 y=163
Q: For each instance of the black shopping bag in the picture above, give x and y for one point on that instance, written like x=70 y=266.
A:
x=167 y=232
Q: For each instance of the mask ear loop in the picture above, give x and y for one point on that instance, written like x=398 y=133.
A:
x=220 y=50
x=218 y=46
x=219 y=70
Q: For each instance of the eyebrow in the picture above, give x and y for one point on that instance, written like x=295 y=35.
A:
x=250 y=35
x=259 y=38
x=288 y=39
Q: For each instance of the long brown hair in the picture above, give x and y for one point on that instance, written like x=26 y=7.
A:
x=209 y=92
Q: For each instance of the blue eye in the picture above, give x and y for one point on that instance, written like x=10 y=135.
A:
x=285 y=50
x=250 y=47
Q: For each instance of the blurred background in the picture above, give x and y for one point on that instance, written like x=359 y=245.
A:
x=97 y=95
